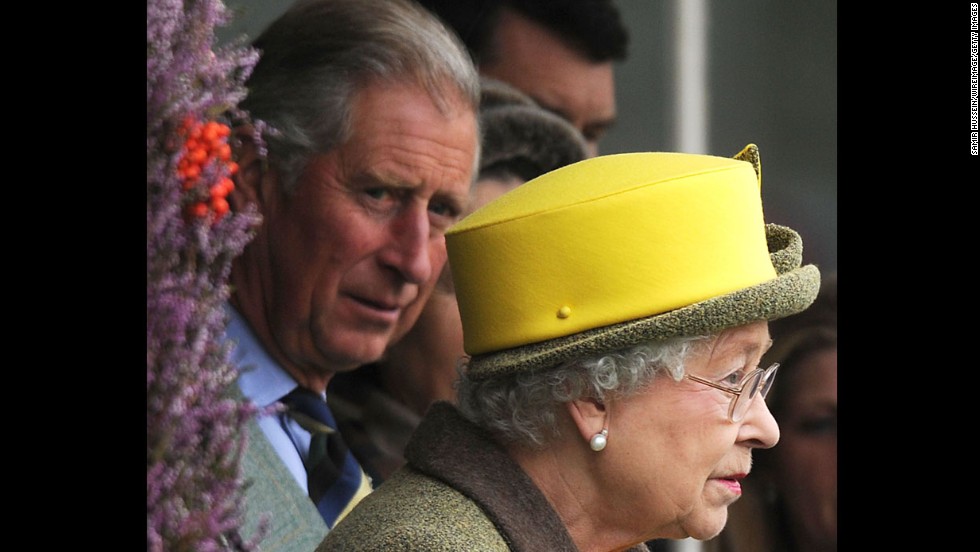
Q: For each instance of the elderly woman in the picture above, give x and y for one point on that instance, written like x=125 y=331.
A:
x=790 y=505
x=615 y=312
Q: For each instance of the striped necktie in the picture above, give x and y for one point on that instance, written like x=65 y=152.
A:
x=335 y=480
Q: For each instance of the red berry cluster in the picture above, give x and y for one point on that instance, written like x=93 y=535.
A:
x=205 y=143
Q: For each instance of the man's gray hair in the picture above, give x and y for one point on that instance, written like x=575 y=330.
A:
x=320 y=53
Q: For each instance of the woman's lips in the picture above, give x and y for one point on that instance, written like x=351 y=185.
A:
x=731 y=483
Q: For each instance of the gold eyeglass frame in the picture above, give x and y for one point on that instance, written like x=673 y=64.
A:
x=763 y=387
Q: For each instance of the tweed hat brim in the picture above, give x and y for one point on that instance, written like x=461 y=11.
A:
x=792 y=291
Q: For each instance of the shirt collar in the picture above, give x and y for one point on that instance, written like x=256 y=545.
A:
x=260 y=378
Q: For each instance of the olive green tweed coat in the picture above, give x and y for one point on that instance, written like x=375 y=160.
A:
x=459 y=492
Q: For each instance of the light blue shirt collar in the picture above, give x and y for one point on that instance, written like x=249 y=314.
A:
x=260 y=378
x=264 y=382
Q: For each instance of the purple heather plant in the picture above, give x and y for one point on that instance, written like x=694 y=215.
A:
x=194 y=429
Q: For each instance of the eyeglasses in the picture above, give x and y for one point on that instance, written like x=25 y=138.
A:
x=756 y=382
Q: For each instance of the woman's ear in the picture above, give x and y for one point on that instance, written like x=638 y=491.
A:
x=590 y=416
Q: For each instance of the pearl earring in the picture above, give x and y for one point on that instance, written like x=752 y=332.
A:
x=598 y=441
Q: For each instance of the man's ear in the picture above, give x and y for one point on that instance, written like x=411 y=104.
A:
x=589 y=415
x=252 y=168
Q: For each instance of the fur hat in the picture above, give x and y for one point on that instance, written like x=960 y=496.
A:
x=618 y=249
x=522 y=139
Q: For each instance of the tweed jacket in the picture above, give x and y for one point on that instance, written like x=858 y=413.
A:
x=293 y=522
x=458 y=492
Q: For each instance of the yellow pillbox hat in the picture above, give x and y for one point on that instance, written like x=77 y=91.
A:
x=617 y=249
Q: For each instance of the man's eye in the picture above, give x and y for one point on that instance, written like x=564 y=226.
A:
x=377 y=193
x=443 y=210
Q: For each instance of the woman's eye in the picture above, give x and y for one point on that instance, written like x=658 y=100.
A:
x=732 y=380
x=823 y=425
